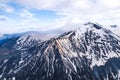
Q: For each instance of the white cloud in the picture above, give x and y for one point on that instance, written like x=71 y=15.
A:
x=7 y=8
x=74 y=12
x=5 y=1
x=2 y=18
x=78 y=10
x=109 y=3
x=25 y=13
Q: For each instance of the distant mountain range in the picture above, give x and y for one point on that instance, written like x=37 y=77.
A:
x=90 y=52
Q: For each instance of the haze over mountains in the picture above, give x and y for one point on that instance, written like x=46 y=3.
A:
x=55 y=32
x=90 y=52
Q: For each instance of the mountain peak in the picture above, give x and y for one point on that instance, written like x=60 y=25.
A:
x=113 y=26
x=95 y=25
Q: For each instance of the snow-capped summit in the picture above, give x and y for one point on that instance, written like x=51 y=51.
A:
x=114 y=26
x=27 y=40
x=90 y=52
x=18 y=42
x=95 y=25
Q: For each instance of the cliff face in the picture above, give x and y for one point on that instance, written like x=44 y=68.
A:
x=88 y=53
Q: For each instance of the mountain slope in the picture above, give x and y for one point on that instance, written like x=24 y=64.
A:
x=10 y=44
x=88 y=53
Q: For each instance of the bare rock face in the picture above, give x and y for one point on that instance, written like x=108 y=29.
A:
x=88 y=53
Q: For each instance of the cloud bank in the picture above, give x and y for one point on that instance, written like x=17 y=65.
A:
x=104 y=11
x=73 y=12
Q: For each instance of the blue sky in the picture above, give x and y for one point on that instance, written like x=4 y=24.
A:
x=47 y=15
x=15 y=18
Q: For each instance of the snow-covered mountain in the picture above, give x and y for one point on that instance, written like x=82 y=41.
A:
x=18 y=42
x=114 y=28
x=88 y=53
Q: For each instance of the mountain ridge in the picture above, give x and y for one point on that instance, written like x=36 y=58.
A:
x=88 y=53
